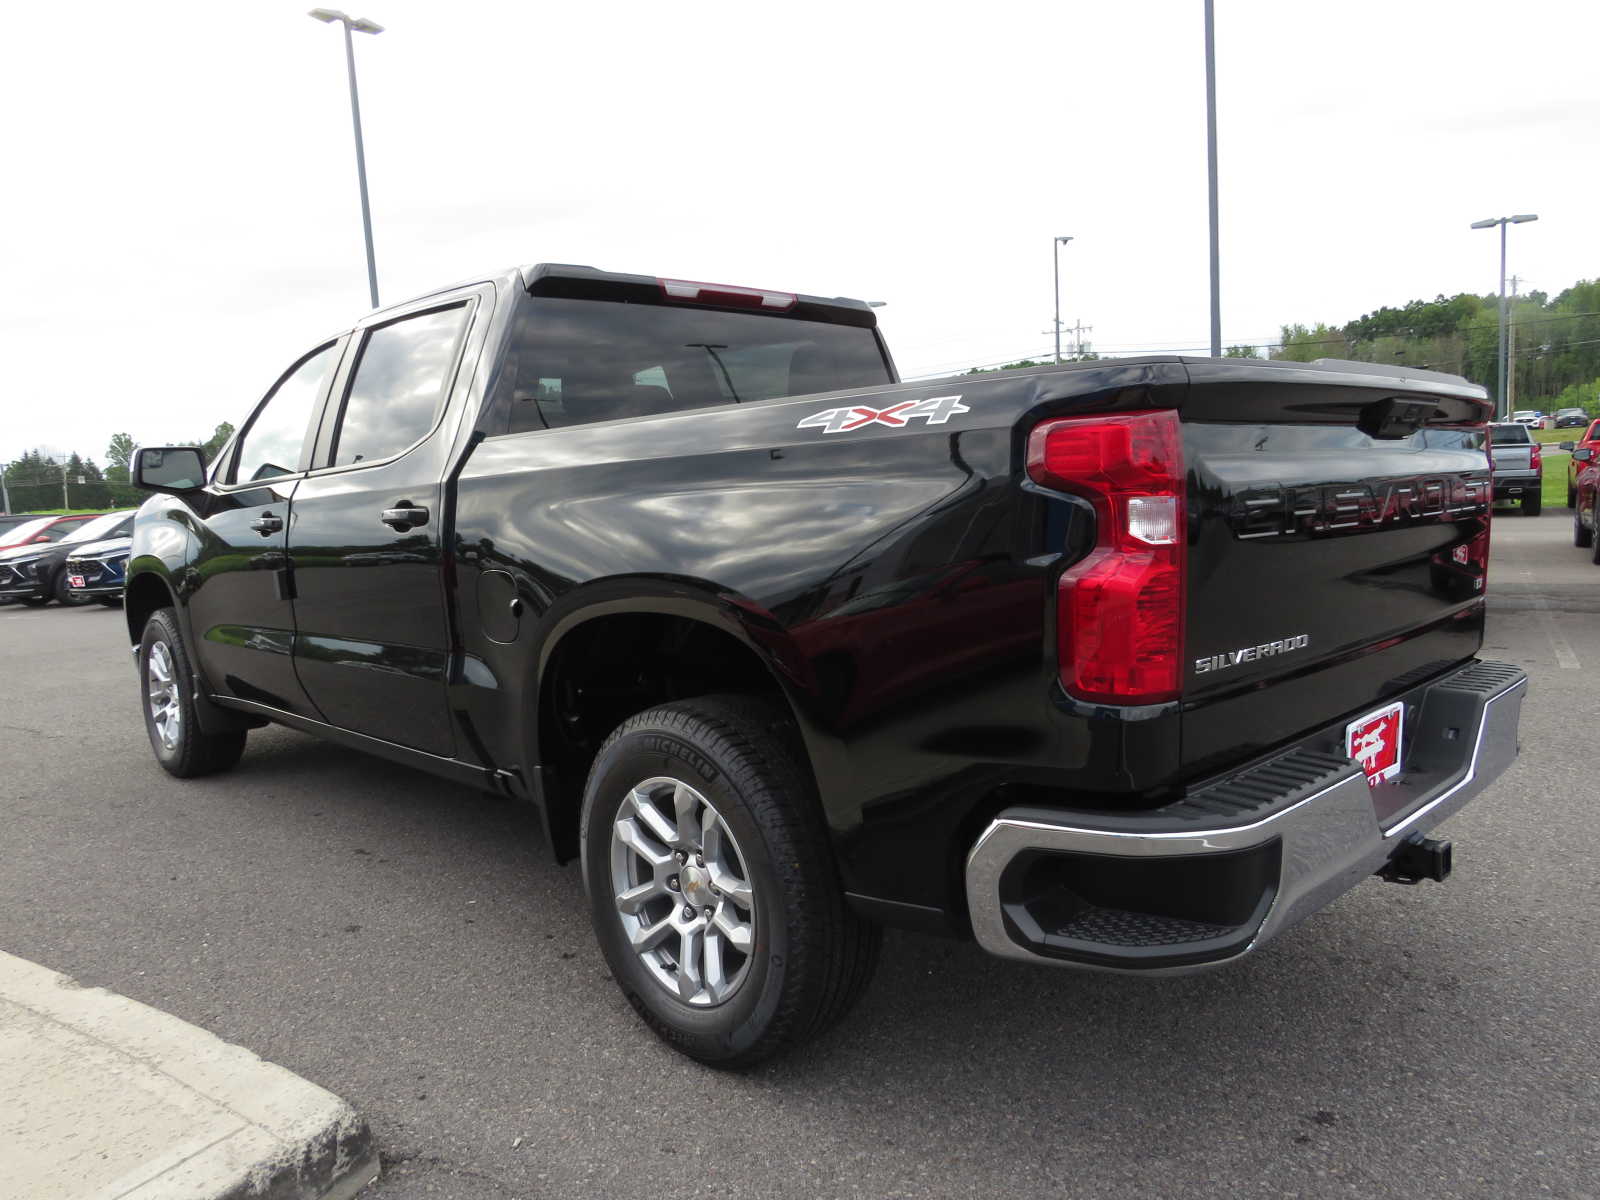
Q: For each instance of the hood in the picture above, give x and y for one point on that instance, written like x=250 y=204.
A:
x=98 y=549
x=28 y=550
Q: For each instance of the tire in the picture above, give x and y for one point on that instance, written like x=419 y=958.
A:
x=63 y=593
x=1532 y=505
x=1582 y=537
x=753 y=829
x=1594 y=544
x=166 y=695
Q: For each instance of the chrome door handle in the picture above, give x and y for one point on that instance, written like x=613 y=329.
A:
x=267 y=523
x=407 y=516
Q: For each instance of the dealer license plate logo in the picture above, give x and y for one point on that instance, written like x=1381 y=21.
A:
x=1374 y=741
x=75 y=581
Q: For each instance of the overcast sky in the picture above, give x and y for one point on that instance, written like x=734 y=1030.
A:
x=179 y=216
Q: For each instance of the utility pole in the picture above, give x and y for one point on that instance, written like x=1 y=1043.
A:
x=1078 y=330
x=5 y=496
x=1511 y=351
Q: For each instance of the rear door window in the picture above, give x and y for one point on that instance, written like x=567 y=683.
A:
x=399 y=385
x=1508 y=435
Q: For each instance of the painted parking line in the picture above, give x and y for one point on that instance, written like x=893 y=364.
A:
x=1566 y=659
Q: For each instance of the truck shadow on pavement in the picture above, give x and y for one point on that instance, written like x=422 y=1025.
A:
x=952 y=1056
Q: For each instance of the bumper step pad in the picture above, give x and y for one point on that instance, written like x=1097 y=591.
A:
x=1241 y=858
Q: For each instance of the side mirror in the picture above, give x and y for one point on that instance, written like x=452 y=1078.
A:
x=1582 y=455
x=171 y=469
x=1567 y=445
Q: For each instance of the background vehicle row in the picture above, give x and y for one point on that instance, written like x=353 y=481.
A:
x=34 y=569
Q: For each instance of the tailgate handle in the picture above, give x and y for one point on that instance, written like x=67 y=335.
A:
x=1395 y=417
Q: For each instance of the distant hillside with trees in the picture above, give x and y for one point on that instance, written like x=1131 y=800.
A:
x=37 y=482
x=1555 y=342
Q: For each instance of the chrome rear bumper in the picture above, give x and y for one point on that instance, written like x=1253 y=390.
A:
x=1211 y=877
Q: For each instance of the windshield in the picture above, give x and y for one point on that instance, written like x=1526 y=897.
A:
x=30 y=530
x=1508 y=435
x=100 y=527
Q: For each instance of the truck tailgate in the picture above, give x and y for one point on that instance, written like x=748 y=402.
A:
x=1338 y=546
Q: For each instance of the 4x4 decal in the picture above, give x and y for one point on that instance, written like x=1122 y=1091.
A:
x=937 y=410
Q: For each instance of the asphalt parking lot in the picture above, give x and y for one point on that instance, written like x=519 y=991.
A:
x=408 y=944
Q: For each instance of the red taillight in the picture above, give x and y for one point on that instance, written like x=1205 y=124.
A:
x=727 y=295
x=1119 y=612
x=1533 y=458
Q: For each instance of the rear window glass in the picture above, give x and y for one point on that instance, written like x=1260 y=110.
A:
x=601 y=360
x=1452 y=439
x=1509 y=435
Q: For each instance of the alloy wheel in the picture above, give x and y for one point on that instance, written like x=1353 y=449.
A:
x=161 y=689
x=682 y=891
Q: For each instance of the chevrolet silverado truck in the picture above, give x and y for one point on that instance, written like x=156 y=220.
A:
x=1121 y=666
x=1518 y=466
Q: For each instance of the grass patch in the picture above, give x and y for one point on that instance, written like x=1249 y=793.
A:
x=1548 y=436
x=1555 y=484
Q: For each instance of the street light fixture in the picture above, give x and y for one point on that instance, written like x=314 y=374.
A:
x=358 y=25
x=1501 y=375
x=1055 y=251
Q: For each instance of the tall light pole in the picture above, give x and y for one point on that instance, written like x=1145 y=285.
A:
x=1211 y=179
x=359 y=25
x=1500 y=374
x=1055 y=251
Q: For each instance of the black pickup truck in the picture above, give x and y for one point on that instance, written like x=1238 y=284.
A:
x=1126 y=665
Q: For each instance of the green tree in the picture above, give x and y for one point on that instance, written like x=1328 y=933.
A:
x=1299 y=344
x=119 y=454
x=1240 y=352
x=217 y=440
x=1084 y=355
x=86 y=487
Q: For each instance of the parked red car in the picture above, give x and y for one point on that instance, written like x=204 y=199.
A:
x=1589 y=441
x=42 y=529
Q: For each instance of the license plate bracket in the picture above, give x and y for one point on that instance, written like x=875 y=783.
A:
x=1377 y=741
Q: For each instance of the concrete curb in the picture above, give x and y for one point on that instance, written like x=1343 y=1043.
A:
x=103 y=1098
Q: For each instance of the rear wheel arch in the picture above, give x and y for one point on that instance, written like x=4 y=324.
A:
x=609 y=661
